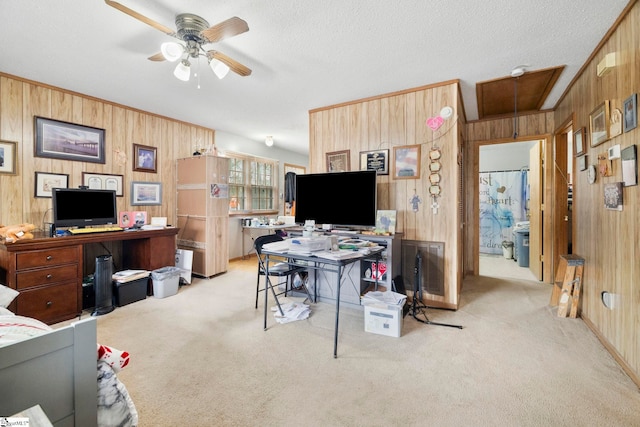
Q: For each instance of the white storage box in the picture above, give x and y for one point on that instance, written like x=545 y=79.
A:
x=166 y=281
x=384 y=319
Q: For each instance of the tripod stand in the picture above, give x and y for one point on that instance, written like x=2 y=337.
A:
x=417 y=308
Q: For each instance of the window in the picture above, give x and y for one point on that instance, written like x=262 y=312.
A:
x=252 y=184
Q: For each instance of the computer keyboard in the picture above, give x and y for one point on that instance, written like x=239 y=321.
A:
x=95 y=229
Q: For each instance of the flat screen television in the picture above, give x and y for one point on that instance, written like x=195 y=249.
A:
x=76 y=207
x=339 y=198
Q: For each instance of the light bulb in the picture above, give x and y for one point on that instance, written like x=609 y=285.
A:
x=183 y=70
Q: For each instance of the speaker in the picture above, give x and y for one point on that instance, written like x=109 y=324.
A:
x=102 y=285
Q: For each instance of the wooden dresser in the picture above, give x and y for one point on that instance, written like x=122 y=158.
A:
x=48 y=271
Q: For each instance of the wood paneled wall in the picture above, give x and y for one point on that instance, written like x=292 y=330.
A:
x=394 y=120
x=21 y=100
x=608 y=240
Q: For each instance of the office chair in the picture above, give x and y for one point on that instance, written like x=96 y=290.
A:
x=283 y=271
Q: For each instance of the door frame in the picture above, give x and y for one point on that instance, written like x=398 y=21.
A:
x=546 y=232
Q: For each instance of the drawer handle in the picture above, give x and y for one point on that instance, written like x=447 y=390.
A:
x=49 y=304
x=49 y=276
x=49 y=257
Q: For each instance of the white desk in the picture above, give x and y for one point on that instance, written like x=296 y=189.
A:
x=315 y=263
x=248 y=230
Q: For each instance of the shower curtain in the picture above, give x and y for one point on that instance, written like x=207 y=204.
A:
x=503 y=203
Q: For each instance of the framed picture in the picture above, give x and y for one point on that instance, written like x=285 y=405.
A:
x=146 y=193
x=582 y=163
x=67 y=141
x=144 y=158
x=578 y=142
x=103 y=181
x=338 y=161
x=630 y=117
x=8 y=157
x=375 y=160
x=599 y=124
x=613 y=196
x=629 y=166
x=406 y=162
x=47 y=181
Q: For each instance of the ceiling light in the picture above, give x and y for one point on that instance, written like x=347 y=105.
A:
x=183 y=70
x=268 y=141
x=219 y=68
x=171 y=51
x=518 y=71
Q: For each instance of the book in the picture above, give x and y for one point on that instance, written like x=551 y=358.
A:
x=129 y=275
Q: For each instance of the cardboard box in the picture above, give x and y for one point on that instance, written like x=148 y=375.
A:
x=384 y=319
x=128 y=292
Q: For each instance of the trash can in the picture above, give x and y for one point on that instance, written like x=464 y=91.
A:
x=507 y=249
x=165 y=281
x=522 y=247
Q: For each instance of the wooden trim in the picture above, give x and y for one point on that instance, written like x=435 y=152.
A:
x=104 y=101
x=509 y=116
x=611 y=349
x=595 y=52
x=386 y=95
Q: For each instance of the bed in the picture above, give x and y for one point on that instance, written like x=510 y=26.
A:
x=56 y=369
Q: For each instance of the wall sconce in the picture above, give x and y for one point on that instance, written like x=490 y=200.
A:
x=268 y=141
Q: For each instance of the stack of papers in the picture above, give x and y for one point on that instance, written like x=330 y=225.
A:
x=292 y=311
x=388 y=297
x=129 y=275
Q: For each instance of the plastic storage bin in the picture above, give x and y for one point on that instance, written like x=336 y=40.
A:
x=166 y=281
x=522 y=247
x=132 y=291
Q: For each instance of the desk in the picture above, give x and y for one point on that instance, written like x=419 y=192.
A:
x=316 y=263
x=48 y=271
x=248 y=229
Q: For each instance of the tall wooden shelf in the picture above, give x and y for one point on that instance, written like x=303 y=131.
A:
x=203 y=212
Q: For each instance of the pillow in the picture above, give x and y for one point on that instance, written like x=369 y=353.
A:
x=115 y=407
x=113 y=357
x=6 y=312
x=7 y=295
x=16 y=328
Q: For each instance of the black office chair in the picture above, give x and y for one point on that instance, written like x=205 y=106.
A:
x=277 y=268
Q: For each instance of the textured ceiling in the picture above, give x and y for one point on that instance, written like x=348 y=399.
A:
x=304 y=54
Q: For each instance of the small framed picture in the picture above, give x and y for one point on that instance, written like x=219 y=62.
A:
x=103 y=181
x=630 y=116
x=377 y=160
x=582 y=163
x=338 y=161
x=578 y=142
x=599 y=122
x=406 y=162
x=8 y=157
x=45 y=182
x=144 y=158
x=146 y=193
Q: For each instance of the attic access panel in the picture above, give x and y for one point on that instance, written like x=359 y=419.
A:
x=496 y=97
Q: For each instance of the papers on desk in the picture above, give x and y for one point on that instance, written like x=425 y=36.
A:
x=129 y=275
x=388 y=297
x=337 y=255
x=292 y=311
x=282 y=246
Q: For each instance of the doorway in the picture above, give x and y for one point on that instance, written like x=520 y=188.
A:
x=504 y=209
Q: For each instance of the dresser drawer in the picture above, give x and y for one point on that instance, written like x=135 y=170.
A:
x=49 y=304
x=45 y=257
x=45 y=276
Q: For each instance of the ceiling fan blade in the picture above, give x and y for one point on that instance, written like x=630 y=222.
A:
x=234 y=65
x=140 y=17
x=229 y=28
x=158 y=57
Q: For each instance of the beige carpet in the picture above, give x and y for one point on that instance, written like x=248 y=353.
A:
x=201 y=358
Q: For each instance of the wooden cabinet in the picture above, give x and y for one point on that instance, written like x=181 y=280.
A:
x=203 y=212
x=49 y=282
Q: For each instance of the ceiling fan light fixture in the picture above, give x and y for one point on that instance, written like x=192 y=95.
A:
x=268 y=141
x=171 y=51
x=183 y=71
x=220 y=69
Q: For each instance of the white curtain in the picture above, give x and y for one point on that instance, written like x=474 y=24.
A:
x=503 y=202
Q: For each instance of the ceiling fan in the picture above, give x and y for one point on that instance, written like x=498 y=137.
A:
x=194 y=32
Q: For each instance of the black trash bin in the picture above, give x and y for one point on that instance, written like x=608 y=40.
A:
x=522 y=247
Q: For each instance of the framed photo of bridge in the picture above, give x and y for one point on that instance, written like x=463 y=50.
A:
x=68 y=141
